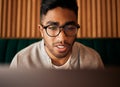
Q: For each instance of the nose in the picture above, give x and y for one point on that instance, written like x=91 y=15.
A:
x=62 y=36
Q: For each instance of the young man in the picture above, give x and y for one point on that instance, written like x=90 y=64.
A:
x=58 y=49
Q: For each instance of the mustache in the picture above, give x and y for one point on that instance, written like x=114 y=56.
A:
x=61 y=43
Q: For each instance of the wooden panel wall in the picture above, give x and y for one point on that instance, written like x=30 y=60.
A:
x=20 y=18
x=98 y=18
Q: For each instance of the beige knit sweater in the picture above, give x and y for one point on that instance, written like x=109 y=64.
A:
x=35 y=56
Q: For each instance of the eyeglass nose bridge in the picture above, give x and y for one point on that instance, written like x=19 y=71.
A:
x=61 y=28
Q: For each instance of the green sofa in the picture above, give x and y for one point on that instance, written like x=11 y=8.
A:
x=108 y=48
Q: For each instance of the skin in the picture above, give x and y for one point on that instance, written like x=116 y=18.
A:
x=58 y=48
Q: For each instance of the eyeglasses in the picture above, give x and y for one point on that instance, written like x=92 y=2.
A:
x=54 y=30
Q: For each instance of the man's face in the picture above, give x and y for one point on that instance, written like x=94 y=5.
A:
x=59 y=46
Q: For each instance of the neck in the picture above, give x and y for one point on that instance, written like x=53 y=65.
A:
x=58 y=61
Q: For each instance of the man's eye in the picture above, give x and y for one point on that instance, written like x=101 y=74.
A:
x=52 y=27
x=70 y=27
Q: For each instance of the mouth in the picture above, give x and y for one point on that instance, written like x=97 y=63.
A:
x=61 y=48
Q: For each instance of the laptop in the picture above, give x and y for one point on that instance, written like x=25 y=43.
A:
x=109 y=77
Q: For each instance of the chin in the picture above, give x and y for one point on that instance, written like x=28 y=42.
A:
x=61 y=55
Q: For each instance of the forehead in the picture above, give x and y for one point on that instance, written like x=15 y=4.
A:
x=60 y=15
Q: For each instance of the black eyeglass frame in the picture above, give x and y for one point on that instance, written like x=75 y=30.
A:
x=60 y=29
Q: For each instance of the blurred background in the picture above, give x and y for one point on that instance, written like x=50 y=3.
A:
x=98 y=18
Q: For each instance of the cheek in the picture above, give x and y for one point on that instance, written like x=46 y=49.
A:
x=71 y=39
x=48 y=43
x=45 y=36
x=48 y=40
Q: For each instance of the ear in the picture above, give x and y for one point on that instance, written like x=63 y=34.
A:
x=40 y=28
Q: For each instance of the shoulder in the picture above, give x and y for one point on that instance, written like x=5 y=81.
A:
x=26 y=55
x=88 y=56
x=31 y=48
x=83 y=48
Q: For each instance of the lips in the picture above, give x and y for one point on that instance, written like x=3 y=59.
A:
x=61 y=48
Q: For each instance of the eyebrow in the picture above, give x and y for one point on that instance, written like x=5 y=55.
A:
x=69 y=23
x=57 y=23
x=52 y=23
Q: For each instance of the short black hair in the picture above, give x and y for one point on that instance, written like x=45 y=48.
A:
x=47 y=5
